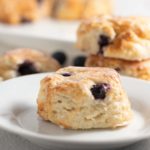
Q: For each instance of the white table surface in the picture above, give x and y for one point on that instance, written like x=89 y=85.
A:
x=52 y=29
x=13 y=142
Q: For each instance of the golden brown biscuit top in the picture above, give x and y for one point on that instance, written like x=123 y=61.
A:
x=129 y=37
x=82 y=81
x=83 y=75
x=117 y=25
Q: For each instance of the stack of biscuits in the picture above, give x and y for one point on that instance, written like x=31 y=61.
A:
x=121 y=43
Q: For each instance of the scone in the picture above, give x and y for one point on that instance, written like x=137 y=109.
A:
x=97 y=7
x=125 y=38
x=138 y=69
x=25 y=61
x=78 y=9
x=68 y=9
x=84 y=98
x=20 y=11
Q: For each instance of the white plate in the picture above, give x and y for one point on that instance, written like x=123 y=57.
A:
x=65 y=30
x=18 y=115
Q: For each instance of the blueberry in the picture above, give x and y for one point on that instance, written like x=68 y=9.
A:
x=66 y=74
x=103 y=41
x=26 y=68
x=39 y=1
x=99 y=90
x=117 y=69
x=60 y=57
x=79 y=61
x=25 y=20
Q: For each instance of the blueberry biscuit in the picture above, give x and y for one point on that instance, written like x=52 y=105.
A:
x=25 y=61
x=138 y=69
x=125 y=38
x=84 y=98
x=78 y=9
x=20 y=11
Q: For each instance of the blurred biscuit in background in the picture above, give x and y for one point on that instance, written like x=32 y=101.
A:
x=81 y=9
x=22 y=11
x=25 y=11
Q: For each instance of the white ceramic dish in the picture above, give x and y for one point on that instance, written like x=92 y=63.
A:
x=18 y=115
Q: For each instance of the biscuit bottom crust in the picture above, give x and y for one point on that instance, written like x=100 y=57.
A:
x=69 y=103
x=138 y=69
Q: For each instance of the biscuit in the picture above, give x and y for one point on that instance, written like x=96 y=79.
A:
x=125 y=38
x=97 y=7
x=138 y=69
x=68 y=9
x=79 y=9
x=25 y=61
x=84 y=98
x=21 y=11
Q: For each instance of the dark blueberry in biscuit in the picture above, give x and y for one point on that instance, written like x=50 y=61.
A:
x=60 y=57
x=25 y=20
x=103 y=41
x=118 y=69
x=66 y=74
x=26 y=68
x=79 y=61
x=99 y=91
x=40 y=2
